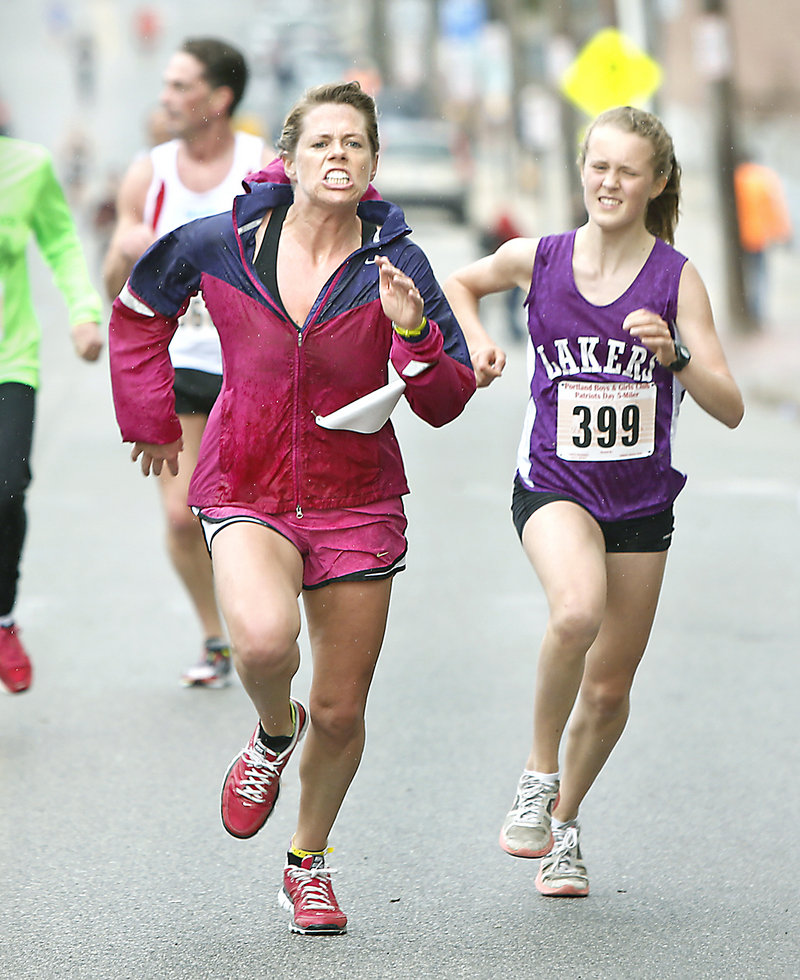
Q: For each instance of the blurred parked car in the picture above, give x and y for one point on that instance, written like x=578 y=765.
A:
x=424 y=162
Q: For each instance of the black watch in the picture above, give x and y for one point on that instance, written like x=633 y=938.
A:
x=682 y=358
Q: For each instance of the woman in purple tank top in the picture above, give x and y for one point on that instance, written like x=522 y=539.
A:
x=620 y=326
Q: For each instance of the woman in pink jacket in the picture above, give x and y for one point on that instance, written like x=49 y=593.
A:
x=313 y=291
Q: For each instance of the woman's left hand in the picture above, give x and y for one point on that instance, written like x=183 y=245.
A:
x=653 y=332
x=400 y=298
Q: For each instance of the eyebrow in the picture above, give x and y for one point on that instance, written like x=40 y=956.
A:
x=325 y=135
x=599 y=158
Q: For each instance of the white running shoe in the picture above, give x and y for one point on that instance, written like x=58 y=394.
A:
x=563 y=873
x=526 y=831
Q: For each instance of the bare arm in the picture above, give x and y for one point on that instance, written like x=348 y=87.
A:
x=511 y=265
x=131 y=235
x=707 y=376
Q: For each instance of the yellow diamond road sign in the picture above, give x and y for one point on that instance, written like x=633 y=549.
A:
x=610 y=71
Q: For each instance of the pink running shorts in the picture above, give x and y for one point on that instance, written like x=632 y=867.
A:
x=355 y=544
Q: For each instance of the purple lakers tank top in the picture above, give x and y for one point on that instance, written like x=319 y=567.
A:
x=601 y=418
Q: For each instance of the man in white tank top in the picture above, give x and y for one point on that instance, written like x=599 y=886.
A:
x=195 y=174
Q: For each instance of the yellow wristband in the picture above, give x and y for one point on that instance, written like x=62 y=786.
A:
x=410 y=333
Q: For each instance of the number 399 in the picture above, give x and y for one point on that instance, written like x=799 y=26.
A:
x=606 y=427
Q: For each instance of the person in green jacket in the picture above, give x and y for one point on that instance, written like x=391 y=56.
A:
x=32 y=202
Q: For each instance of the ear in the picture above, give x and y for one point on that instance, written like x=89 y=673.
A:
x=658 y=187
x=374 y=168
x=222 y=100
x=288 y=166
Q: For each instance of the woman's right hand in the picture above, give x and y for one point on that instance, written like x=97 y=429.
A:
x=154 y=456
x=400 y=298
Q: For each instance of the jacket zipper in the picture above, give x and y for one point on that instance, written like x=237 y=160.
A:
x=295 y=425
x=318 y=305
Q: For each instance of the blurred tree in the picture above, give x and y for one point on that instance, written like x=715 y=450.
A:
x=716 y=62
x=562 y=24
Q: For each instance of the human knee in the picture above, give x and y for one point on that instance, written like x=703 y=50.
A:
x=182 y=525
x=337 y=719
x=575 y=624
x=605 y=699
x=267 y=647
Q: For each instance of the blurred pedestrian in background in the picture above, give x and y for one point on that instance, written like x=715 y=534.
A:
x=501 y=229
x=313 y=291
x=196 y=173
x=764 y=221
x=32 y=203
x=621 y=326
x=5 y=127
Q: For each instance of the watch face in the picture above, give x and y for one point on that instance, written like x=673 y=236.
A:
x=682 y=358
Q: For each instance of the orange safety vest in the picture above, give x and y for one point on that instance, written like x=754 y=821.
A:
x=760 y=207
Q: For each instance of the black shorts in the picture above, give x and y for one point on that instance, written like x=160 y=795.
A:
x=195 y=391
x=639 y=534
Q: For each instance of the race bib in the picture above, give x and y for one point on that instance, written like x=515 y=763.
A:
x=599 y=421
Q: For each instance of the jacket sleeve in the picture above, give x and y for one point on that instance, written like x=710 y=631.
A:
x=58 y=241
x=438 y=394
x=144 y=318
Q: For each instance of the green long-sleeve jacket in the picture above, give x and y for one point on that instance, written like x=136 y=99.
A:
x=32 y=202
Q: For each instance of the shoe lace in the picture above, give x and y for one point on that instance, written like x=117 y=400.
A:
x=532 y=798
x=260 y=773
x=315 y=891
x=565 y=848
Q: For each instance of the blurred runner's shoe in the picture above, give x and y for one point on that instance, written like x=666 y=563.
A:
x=214 y=670
x=253 y=781
x=562 y=873
x=526 y=831
x=307 y=893
x=16 y=671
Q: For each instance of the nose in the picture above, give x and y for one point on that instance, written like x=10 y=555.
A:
x=610 y=179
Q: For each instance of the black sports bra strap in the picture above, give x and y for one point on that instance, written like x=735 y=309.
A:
x=367 y=231
x=266 y=262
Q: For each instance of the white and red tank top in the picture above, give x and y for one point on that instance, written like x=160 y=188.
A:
x=168 y=205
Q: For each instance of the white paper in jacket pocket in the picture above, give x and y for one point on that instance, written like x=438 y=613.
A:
x=371 y=412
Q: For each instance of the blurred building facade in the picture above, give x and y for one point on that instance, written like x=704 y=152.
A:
x=763 y=52
x=86 y=73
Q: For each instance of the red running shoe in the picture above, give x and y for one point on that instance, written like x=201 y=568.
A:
x=16 y=672
x=307 y=893
x=253 y=780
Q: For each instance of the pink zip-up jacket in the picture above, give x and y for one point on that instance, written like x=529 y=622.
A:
x=262 y=447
